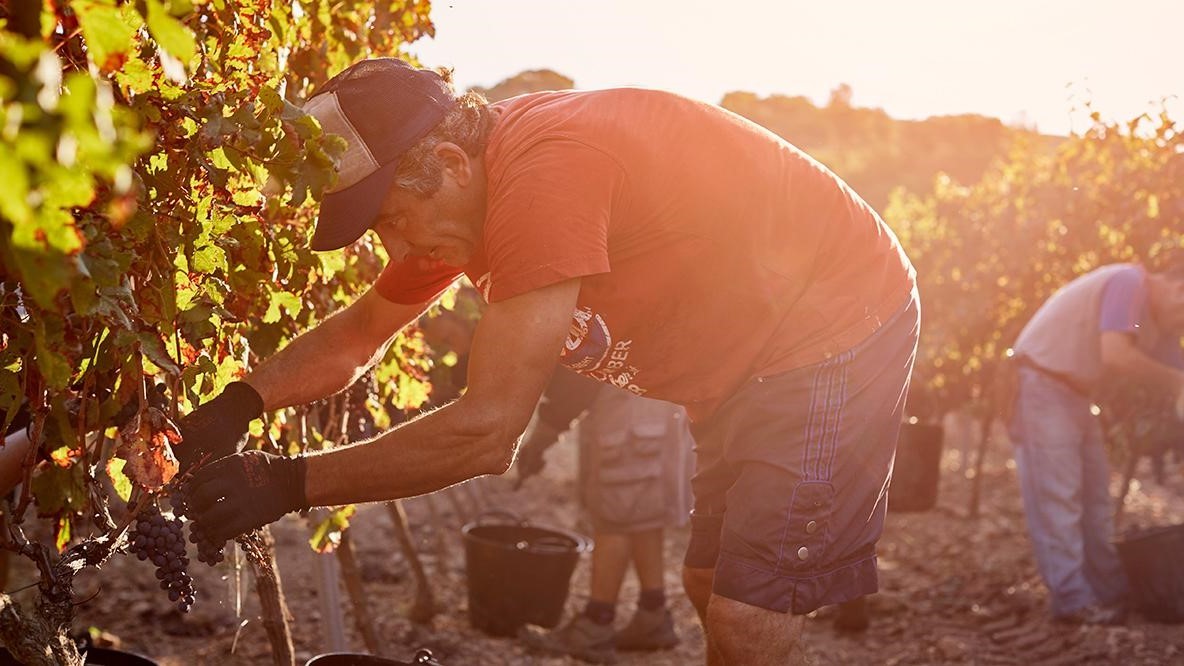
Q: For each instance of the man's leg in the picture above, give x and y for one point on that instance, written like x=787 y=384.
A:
x=1103 y=569
x=1049 y=464
x=752 y=636
x=696 y=582
x=652 y=625
x=610 y=561
x=697 y=585
x=589 y=635
x=647 y=550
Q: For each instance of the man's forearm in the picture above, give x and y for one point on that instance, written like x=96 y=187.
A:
x=434 y=451
x=1147 y=370
x=317 y=364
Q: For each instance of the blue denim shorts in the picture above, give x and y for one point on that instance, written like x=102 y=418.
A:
x=792 y=475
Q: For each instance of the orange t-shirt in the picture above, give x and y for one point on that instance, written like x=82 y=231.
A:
x=711 y=250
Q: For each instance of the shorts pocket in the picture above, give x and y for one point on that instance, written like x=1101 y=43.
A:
x=807 y=532
x=628 y=487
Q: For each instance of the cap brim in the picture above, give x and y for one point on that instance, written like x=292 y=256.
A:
x=347 y=214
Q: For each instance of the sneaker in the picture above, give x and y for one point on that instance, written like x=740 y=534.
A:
x=1094 y=614
x=580 y=638
x=648 y=630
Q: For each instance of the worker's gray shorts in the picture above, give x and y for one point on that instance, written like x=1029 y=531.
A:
x=635 y=466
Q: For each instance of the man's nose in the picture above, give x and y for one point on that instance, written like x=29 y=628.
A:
x=398 y=251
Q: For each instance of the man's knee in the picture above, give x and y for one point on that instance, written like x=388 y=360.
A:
x=745 y=634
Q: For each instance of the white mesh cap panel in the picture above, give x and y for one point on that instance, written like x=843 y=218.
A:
x=357 y=162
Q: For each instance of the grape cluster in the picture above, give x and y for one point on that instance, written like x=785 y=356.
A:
x=161 y=540
x=207 y=551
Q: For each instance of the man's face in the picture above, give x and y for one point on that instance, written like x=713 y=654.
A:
x=445 y=226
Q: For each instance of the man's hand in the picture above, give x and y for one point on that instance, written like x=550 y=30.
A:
x=245 y=491
x=530 y=454
x=219 y=427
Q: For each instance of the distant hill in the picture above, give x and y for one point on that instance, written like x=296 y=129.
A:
x=534 y=80
x=874 y=152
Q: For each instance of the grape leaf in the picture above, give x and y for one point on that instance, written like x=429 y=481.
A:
x=122 y=484
x=172 y=35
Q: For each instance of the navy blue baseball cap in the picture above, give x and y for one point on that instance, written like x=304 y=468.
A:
x=381 y=107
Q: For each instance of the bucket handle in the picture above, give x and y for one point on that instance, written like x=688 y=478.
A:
x=425 y=658
x=504 y=513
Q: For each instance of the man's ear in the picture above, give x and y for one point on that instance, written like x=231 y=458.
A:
x=455 y=161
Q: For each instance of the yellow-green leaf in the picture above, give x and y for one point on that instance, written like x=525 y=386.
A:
x=172 y=35
x=109 y=31
x=122 y=484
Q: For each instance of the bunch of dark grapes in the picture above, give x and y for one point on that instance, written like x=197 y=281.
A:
x=161 y=540
x=207 y=551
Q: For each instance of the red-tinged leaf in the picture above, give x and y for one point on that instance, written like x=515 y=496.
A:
x=162 y=424
x=189 y=353
x=150 y=460
x=64 y=456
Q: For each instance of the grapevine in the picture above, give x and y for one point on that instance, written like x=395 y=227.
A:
x=160 y=183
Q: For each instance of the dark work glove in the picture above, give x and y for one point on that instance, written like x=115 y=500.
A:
x=219 y=427
x=530 y=453
x=243 y=492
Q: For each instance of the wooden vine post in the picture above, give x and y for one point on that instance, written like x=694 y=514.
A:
x=259 y=547
x=357 y=595
x=423 y=608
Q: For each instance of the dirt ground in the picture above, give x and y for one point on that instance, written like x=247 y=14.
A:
x=953 y=590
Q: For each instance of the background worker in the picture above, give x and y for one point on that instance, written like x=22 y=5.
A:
x=1119 y=322
x=635 y=463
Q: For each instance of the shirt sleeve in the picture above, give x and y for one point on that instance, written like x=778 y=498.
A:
x=1124 y=300
x=548 y=217
x=417 y=280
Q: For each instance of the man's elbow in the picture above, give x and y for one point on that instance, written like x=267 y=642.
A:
x=496 y=455
x=498 y=440
x=494 y=427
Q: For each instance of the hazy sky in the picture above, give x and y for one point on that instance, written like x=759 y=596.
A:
x=1025 y=61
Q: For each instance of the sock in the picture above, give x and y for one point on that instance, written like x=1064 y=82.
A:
x=600 y=612
x=652 y=599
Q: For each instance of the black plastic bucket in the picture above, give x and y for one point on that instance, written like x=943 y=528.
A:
x=1154 y=562
x=421 y=658
x=918 y=468
x=94 y=657
x=518 y=573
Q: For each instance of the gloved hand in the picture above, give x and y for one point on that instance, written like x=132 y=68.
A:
x=219 y=427
x=245 y=491
x=530 y=453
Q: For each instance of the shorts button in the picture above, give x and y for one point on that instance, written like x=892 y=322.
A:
x=803 y=553
x=811 y=527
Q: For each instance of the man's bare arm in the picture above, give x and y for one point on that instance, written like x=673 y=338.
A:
x=330 y=357
x=514 y=352
x=1120 y=355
